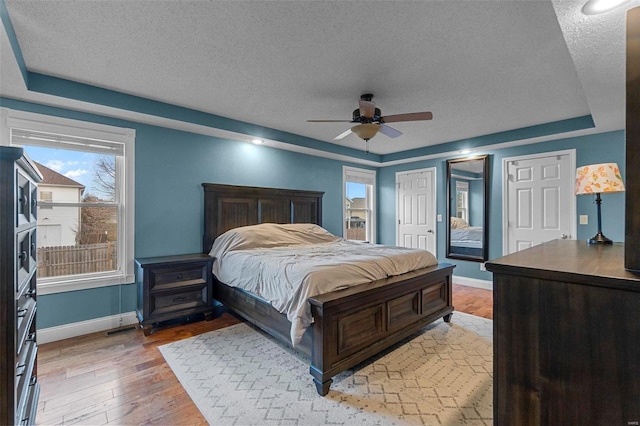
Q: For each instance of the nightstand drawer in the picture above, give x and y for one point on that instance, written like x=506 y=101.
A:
x=173 y=287
x=167 y=302
x=177 y=276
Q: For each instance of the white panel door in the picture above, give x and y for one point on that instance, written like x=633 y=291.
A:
x=539 y=199
x=416 y=209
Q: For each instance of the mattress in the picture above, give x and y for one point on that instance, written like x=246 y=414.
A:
x=285 y=264
x=467 y=237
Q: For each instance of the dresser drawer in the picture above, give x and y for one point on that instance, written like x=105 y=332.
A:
x=25 y=312
x=23 y=257
x=24 y=374
x=31 y=406
x=177 y=276
x=27 y=288
x=173 y=301
x=26 y=200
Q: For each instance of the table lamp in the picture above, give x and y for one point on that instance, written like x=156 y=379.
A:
x=596 y=179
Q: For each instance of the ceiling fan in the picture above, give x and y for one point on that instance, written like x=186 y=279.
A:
x=370 y=121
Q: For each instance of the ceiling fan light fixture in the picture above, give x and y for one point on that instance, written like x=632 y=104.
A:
x=366 y=131
x=595 y=7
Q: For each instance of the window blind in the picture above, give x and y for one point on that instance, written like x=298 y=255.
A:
x=58 y=141
x=360 y=176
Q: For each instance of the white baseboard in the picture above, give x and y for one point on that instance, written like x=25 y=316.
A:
x=473 y=282
x=75 y=329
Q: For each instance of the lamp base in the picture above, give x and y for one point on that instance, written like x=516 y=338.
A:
x=599 y=238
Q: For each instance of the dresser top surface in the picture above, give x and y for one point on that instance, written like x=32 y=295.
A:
x=570 y=261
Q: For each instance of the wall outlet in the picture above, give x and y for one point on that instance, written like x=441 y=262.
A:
x=482 y=267
x=439 y=218
x=584 y=219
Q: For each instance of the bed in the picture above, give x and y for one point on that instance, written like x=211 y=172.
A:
x=349 y=325
x=465 y=239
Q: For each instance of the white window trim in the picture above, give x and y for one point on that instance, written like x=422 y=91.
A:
x=39 y=122
x=353 y=174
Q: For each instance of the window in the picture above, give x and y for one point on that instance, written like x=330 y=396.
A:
x=359 y=204
x=462 y=200
x=85 y=201
x=44 y=199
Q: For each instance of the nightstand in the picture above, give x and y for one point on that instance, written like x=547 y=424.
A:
x=173 y=287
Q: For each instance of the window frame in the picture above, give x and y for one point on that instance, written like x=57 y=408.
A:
x=367 y=177
x=15 y=119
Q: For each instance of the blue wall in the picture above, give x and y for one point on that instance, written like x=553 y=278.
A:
x=171 y=165
x=600 y=148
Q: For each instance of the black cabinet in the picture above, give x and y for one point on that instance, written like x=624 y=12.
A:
x=173 y=287
x=18 y=293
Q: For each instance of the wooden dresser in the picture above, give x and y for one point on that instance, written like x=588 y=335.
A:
x=18 y=264
x=566 y=336
x=173 y=287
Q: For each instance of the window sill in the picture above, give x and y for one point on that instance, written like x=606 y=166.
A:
x=66 y=284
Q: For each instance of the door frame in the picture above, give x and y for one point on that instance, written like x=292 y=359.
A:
x=505 y=192
x=434 y=186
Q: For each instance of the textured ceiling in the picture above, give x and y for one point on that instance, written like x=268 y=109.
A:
x=481 y=67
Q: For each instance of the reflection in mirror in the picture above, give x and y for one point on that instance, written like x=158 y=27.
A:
x=467 y=208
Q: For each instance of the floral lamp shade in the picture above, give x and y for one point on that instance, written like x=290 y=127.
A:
x=598 y=178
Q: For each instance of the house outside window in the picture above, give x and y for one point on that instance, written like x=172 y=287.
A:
x=359 y=204
x=85 y=201
x=44 y=197
x=56 y=226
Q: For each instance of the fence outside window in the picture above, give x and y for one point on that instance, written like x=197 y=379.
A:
x=79 y=259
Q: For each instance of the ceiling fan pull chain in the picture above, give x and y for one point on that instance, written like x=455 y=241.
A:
x=366 y=144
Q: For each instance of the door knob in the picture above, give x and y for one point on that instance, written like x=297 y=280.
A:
x=430 y=231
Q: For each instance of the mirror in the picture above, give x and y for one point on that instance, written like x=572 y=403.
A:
x=467 y=208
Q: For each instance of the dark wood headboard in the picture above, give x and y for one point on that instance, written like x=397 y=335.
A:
x=231 y=206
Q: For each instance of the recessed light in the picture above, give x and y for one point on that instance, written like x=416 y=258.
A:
x=595 y=7
x=257 y=141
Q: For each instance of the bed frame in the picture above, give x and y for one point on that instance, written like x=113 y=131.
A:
x=349 y=325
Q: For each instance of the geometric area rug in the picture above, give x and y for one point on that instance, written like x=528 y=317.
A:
x=441 y=376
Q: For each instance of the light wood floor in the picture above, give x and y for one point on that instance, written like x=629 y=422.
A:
x=123 y=379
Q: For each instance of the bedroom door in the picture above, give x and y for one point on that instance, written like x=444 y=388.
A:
x=538 y=201
x=416 y=209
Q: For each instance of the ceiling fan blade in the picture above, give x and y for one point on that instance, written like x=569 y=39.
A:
x=411 y=116
x=367 y=109
x=329 y=121
x=343 y=135
x=389 y=131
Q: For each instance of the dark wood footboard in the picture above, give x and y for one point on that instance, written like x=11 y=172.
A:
x=354 y=324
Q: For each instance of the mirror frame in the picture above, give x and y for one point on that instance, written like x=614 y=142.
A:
x=484 y=256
